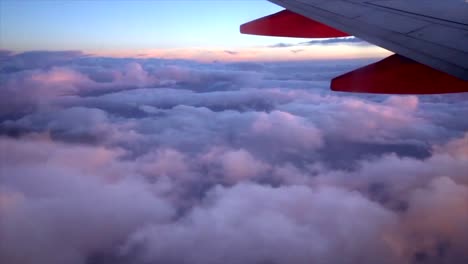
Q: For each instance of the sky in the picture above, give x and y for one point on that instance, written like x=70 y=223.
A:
x=129 y=24
x=171 y=29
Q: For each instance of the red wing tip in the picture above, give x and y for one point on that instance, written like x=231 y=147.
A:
x=398 y=75
x=289 y=24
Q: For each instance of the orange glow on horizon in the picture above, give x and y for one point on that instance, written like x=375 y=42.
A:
x=315 y=52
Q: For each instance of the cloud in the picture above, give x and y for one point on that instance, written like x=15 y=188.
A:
x=281 y=45
x=13 y=62
x=230 y=52
x=336 y=41
x=134 y=160
x=297 y=50
x=236 y=165
x=79 y=186
x=329 y=41
x=284 y=225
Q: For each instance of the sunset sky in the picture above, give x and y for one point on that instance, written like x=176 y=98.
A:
x=137 y=132
x=202 y=30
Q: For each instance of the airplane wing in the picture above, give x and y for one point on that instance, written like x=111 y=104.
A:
x=429 y=39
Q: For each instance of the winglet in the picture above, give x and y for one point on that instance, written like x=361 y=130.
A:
x=289 y=24
x=398 y=75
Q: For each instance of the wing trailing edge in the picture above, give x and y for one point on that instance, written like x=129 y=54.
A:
x=289 y=24
x=398 y=75
x=393 y=75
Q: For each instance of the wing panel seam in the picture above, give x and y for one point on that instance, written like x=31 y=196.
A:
x=416 y=14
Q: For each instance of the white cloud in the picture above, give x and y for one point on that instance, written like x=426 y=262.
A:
x=143 y=160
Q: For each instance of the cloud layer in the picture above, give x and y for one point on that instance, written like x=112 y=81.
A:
x=108 y=160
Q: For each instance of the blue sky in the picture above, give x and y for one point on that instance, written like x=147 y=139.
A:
x=188 y=29
x=147 y=24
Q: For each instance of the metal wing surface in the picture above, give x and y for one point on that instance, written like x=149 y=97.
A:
x=431 y=33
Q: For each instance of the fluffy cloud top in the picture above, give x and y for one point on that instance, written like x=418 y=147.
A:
x=173 y=161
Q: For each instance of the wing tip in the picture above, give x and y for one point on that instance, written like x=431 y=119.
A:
x=397 y=74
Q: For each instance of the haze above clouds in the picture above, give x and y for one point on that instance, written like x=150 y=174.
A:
x=107 y=160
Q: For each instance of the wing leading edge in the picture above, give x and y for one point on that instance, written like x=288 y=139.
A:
x=431 y=48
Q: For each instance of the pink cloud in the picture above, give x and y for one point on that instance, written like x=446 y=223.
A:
x=240 y=165
x=287 y=129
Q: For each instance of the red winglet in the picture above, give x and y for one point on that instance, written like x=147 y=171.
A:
x=398 y=75
x=288 y=24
